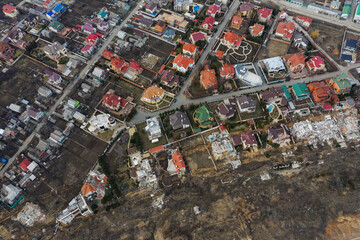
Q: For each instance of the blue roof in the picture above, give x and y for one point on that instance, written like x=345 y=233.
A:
x=347 y=57
x=169 y=32
x=352 y=43
x=58 y=8
x=49 y=13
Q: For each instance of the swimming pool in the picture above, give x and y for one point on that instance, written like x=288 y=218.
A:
x=270 y=108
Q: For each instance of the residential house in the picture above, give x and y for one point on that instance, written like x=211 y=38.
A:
x=103 y=14
x=208 y=23
x=153 y=95
x=179 y=120
x=264 y=14
x=213 y=10
x=295 y=62
x=351 y=45
x=113 y=102
x=272 y=95
x=31 y=20
x=101 y=122
x=88 y=50
x=335 y=4
x=174 y=20
x=182 y=63
x=10 y=11
x=246 y=9
x=303 y=21
x=279 y=134
x=300 y=91
x=349 y=53
x=231 y=40
x=274 y=65
x=247 y=77
x=57 y=11
x=208 y=78
x=151 y=8
x=341 y=84
x=222 y=149
x=55 y=50
x=249 y=141
x=56 y=27
x=108 y=54
x=54 y=78
x=320 y=92
x=236 y=22
x=99 y=73
x=102 y=26
x=92 y=39
x=153 y=128
x=135 y=68
x=256 y=30
x=160 y=26
x=226 y=109
x=227 y=71
x=285 y=30
x=88 y=28
x=10 y=194
x=182 y=5
x=204 y=117
x=15 y=36
x=118 y=65
x=346 y=12
x=169 y=78
x=176 y=164
x=198 y=36
x=316 y=65
x=246 y=104
x=190 y=50
x=34 y=113
x=300 y=41
x=169 y=34
x=44 y=92
x=283 y=15
x=145 y=22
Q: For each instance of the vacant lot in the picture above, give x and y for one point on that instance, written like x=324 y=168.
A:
x=273 y=49
x=21 y=80
x=329 y=38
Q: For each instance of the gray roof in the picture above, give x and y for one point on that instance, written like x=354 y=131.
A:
x=178 y=120
x=246 y=102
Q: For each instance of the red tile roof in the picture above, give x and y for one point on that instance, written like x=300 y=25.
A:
x=236 y=20
x=87 y=188
x=257 y=29
x=183 y=61
x=156 y=149
x=316 y=62
x=119 y=64
x=208 y=78
x=219 y=54
x=227 y=70
x=233 y=38
x=213 y=9
x=264 y=12
x=189 y=48
x=286 y=29
x=24 y=164
x=178 y=161
x=197 y=36
x=8 y=8
x=135 y=66
x=113 y=101
x=209 y=21
x=107 y=54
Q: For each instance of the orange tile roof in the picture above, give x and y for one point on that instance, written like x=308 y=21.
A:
x=219 y=54
x=233 y=38
x=285 y=29
x=208 y=77
x=189 y=47
x=153 y=92
x=227 y=70
x=257 y=29
x=236 y=20
x=8 y=8
x=155 y=149
x=297 y=59
x=87 y=188
x=178 y=161
x=183 y=61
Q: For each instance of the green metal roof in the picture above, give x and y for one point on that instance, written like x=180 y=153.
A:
x=286 y=92
x=56 y=25
x=342 y=81
x=203 y=113
x=346 y=9
x=358 y=10
x=300 y=89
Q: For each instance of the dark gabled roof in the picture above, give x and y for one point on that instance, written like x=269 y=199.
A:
x=178 y=119
x=351 y=43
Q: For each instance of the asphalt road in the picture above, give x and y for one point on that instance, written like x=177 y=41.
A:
x=68 y=89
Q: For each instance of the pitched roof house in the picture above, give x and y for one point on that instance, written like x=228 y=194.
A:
x=285 y=30
x=208 y=23
x=320 y=91
x=119 y=65
x=246 y=9
x=208 y=78
x=248 y=140
x=231 y=40
x=54 y=50
x=300 y=41
x=176 y=164
x=236 y=22
x=279 y=134
x=189 y=49
x=227 y=71
x=256 y=30
x=113 y=102
x=160 y=26
x=197 y=36
x=340 y=84
x=300 y=91
x=182 y=63
x=264 y=14
x=153 y=94
x=295 y=62
x=92 y=39
x=179 y=120
x=303 y=21
x=226 y=109
x=107 y=54
x=169 y=78
x=204 y=117
x=246 y=104
x=316 y=64
x=10 y=11
x=213 y=10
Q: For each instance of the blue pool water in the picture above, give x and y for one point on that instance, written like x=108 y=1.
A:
x=270 y=108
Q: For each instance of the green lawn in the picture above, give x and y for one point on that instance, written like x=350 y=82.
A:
x=146 y=143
